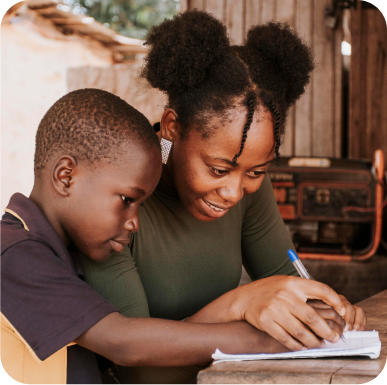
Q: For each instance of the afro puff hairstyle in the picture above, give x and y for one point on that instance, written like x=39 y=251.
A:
x=192 y=61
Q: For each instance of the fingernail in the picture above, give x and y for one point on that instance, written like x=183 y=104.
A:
x=355 y=327
x=337 y=338
x=304 y=348
x=322 y=344
x=346 y=328
x=342 y=311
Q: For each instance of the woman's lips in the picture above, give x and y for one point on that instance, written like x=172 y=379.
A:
x=116 y=246
x=213 y=210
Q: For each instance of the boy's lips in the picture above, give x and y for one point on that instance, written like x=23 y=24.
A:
x=118 y=245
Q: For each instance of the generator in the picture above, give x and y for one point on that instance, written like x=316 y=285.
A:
x=331 y=207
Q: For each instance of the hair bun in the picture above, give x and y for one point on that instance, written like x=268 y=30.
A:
x=184 y=50
x=278 y=60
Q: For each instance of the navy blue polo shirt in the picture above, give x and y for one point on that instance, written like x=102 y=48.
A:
x=42 y=293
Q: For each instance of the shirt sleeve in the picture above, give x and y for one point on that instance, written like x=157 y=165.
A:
x=265 y=238
x=117 y=280
x=48 y=304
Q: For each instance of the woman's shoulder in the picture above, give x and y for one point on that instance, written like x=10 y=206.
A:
x=261 y=195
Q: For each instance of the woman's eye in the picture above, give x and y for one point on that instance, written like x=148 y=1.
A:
x=255 y=174
x=218 y=172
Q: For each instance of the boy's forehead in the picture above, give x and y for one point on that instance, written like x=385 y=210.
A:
x=130 y=168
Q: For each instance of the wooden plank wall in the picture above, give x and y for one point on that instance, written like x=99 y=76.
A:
x=315 y=123
x=368 y=84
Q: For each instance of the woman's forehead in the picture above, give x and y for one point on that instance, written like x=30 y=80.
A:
x=225 y=138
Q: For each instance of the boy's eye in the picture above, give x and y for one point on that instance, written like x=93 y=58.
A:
x=218 y=172
x=126 y=200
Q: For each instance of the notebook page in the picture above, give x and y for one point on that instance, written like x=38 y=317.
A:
x=355 y=344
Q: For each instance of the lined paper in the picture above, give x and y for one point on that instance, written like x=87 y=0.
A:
x=356 y=344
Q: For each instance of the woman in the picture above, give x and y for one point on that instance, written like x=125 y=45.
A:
x=214 y=208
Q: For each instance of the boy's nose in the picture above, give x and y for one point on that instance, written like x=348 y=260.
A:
x=132 y=224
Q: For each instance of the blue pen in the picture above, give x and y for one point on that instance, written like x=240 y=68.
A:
x=301 y=269
x=298 y=264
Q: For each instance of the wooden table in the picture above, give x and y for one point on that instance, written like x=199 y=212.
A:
x=355 y=370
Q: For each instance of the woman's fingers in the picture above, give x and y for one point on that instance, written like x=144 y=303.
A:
x=297 y=330
x=318 y=304
x=280 y=309
x=354 y=316
x=283 y=337
x=326 y=311
x=332 y=315
x=364 y=323
x=316 y=323
x=360 y=319
x=335 y=326
x=318 y=290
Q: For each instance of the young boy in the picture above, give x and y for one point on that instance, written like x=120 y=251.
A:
x=97 y=159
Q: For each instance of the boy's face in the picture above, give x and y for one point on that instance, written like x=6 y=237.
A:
x=102 y=208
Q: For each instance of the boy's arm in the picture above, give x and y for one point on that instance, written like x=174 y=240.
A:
x=158 y=342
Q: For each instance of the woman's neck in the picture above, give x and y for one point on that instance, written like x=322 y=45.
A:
x=166 y=176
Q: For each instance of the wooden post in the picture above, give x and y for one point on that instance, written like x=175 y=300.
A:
x=368 y=83
x=303 y=113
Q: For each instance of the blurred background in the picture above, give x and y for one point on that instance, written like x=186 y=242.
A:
x=51 y=47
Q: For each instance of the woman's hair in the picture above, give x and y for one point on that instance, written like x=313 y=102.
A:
x=192 y=61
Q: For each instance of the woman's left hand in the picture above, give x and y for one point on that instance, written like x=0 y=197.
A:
x=354 y=317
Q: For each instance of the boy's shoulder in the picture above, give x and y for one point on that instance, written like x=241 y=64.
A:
x=43 y=297
x=13 y=233
x=23 y=222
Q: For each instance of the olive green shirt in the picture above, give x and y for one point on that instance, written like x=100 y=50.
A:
x=175 y=264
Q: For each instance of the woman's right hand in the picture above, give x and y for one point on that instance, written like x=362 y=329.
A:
x=278 y=306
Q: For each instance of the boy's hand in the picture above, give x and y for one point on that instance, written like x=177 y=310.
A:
x=354 y=318
x=332 y=318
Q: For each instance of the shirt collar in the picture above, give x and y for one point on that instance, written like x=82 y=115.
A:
x=38 y=224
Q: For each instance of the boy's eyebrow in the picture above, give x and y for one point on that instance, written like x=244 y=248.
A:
x=137 y=189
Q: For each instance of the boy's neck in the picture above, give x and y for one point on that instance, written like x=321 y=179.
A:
x=47 y=207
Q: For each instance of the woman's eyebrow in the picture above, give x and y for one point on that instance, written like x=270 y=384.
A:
x=264 y=164
x=226 y=161
x=232 y=164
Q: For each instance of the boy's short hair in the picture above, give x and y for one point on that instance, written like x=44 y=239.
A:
x=90 y=125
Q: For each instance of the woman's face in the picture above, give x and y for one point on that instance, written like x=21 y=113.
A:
x=201 y=168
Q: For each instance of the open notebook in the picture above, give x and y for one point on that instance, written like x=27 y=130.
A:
x=355 y=344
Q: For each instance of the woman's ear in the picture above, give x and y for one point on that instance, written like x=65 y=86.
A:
x=169 y=126
x=62 y=174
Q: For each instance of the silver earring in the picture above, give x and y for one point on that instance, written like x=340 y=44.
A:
x=166 y=146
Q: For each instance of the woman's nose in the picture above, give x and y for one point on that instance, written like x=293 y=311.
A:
x=232 y=192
